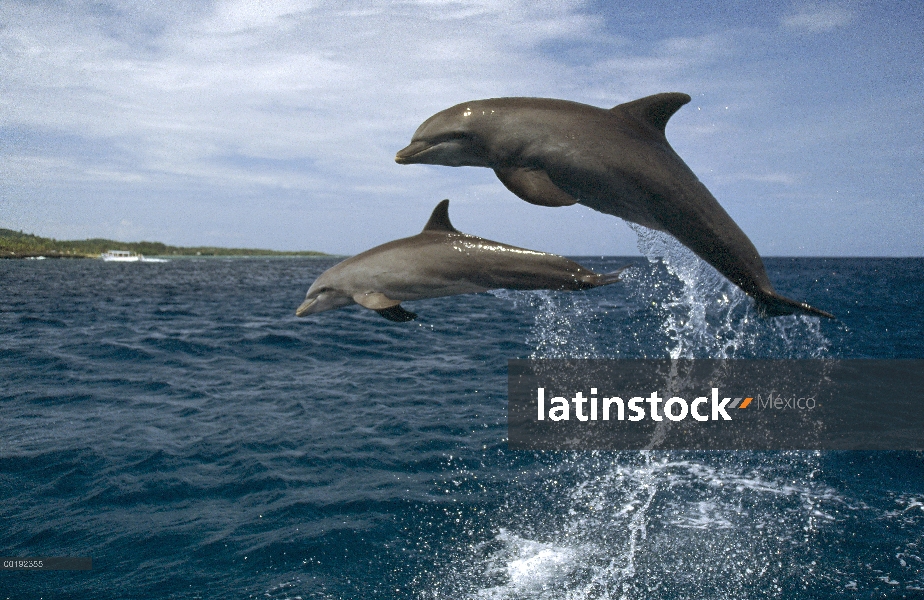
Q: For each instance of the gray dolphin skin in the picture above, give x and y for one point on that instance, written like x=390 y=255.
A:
x=617 y=161
x=440 y=261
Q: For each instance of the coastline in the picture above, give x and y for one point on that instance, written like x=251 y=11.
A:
x=16 y=244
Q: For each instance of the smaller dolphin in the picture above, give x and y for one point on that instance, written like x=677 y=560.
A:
x=440 y=261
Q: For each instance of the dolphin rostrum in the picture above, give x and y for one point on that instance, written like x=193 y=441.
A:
x=440 y=261
x=617 y=161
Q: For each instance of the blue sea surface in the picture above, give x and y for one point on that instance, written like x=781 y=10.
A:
x=179 y=425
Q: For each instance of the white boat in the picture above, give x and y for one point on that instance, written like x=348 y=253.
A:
x=126 y=256
x=120 y=256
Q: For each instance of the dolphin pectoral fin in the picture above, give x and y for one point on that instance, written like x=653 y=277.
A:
x=534 y=186
x=385 y=306
x=774 y=305
x=397 y=314
x=375 y=301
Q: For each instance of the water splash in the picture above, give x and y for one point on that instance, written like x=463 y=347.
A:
x=673 y=306
x=564 y=325
x=656 y=524
x=703 y=315
x=524 y=567
x=643 y=525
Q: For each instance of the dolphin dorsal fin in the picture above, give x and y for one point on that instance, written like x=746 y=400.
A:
x=654 y=110
x=439 y=220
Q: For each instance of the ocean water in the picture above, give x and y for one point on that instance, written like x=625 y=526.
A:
x=178 y=424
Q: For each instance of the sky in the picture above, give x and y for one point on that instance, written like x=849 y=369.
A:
x=275 y=124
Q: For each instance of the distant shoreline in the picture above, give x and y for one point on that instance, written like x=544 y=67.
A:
x=19 y=245
x=281 y=255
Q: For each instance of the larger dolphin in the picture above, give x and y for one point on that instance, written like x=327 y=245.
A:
x=617 y=161
x=440 y=261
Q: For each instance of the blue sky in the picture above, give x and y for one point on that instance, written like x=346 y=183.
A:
x=275 y=124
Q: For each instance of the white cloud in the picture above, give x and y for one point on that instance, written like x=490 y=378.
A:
x=206 y=111
x=341 y=88
x=781 y=179
x=816 y=18
x=268 y=79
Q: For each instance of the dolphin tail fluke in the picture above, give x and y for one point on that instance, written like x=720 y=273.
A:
x=397 y=314
x=774 y=305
